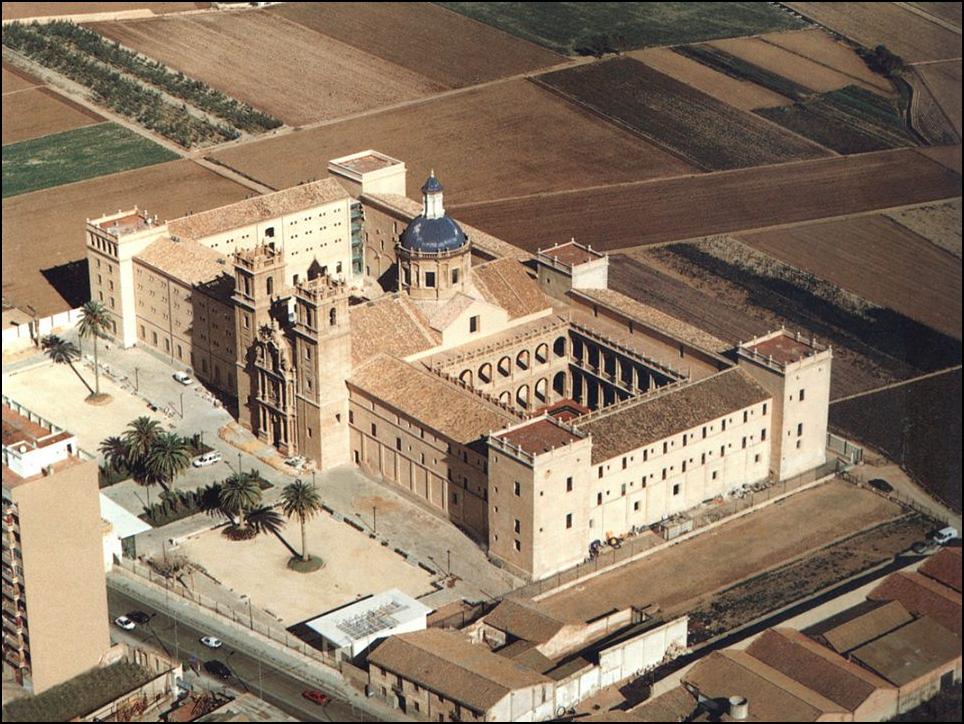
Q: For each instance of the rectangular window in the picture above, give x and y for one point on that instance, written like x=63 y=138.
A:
x=800 y=429
x=763 y=434
x=398 y=443
x=517 y=544
x=676 y=489
x=746 y=415
x=517 y=526
x=569 y=485
x=764 y=408
x=600 y=471
x=664 y=473
x=636 y=506
x=801 y=394
x=665 y=447
x=722 y=450
x=744 y=442
x=598 y=498
x=374 y=430
x=430 y=279
x=351 y=416
x=517 y=488
x=474 y=323
x=568 y=520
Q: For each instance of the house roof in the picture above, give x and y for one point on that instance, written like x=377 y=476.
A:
x=258 y=208
x=867 y=626
x=944 y=567
x=921 y=647
x=185 y=260
x=506 y=284
x=772 y=695
x=392 y=325
x=524 y=620
x=654 y=318
x=447 y=663
x=819 y=669
x=677 y=704
x=458 y=414
x=658 y=415
x=922 y=596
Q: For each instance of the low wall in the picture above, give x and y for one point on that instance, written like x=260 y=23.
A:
x=17 y=337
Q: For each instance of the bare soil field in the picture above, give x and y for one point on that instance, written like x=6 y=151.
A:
x=939 y=223
x=950 y=12
x=904 y=32
x=711 y=134
x=501 y=140
x=774 y=589
x=735 y=312
x=43 y=232
x=808 y=73
x=740 y=94
x=944 y=82
x=821 y=48
x=680 y=576
x=12 y=11
x=918 y=425
x=424 y=38
x=729 y=201
x=947 y=156
x=926 y=114
x=878 y=259
x=271 y=63
x=37 y=112
x=15 y=79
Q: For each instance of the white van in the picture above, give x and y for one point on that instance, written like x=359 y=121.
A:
x=944 y=535
x=208 y=458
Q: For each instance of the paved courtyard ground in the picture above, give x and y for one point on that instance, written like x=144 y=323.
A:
x=676 y=578
x=355 y=566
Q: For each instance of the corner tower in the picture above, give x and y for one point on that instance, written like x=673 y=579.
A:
x=434 y=256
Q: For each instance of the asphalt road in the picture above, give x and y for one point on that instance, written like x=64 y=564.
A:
x=275 y=686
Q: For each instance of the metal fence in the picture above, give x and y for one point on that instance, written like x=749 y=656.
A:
x=715 y=512
x=841 y=446
x=245 y=616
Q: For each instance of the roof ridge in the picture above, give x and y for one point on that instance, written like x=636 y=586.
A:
x=416 y=316
x=777 y=678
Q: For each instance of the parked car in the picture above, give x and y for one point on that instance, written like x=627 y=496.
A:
x=125 y=623
x=218 y=669
x=139 y=617
x=882 y=485
x=208 y=458
x=944 y=535
x=184 y=378
x=923 y=547
x=211 y=642
x=316 y=696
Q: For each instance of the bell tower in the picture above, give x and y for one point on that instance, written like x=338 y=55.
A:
x=322 y=349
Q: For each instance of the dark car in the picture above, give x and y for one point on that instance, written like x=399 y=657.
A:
x=882 y=485
x=139 y=617
x=218 y=669
x=316 y=696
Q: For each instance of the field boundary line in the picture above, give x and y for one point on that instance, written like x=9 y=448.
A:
x=934 y=96
x=900 y=383
x=854 y=78
x=929 y=17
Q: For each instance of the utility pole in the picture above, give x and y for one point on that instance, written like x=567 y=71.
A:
x=182 y=405
x=137 y=381
x=374 y=520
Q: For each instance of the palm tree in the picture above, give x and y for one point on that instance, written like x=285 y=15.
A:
x=60 y=351
x=93 y=323
x=115 y=452
x=265 y=519
x=168 y=457
x=139 y=437
x=300 y=499
x=240 y=493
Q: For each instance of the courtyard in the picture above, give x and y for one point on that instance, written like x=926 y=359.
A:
x=355 y=566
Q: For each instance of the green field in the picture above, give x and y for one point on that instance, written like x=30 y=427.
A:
x=567 y=27
x=75 y=155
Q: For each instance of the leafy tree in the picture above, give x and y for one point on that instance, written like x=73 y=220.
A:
x=301 y=500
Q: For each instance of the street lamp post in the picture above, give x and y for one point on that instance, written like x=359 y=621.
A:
x=374 y=520
x=137 y=381
x=182 y=405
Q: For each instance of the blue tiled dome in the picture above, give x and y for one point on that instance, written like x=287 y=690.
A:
x=433 y=235
x=432 y=184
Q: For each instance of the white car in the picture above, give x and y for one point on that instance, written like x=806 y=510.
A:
x=211 y=642
x=125 y=623
x=208 y=458
x=184 y=378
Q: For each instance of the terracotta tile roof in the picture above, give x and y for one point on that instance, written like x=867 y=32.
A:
x=922 y=596
x=655 y=318
x=572 y=253
x=783 y=348
x=441 y=315
x=772 y=696
x=447 y=408
x=524 y=620
x=259 y=208
x=866 y=627
x=921 y=647
x=507 y=284
x=658 y=415
x=448 y=664
x=944 y=567
x=539 y=436
x=391 y=324
x=819 y=669
x=675 y=705
x=527 y=654
x=186 y=260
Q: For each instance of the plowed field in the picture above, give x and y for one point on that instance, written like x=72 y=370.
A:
x=36 y=112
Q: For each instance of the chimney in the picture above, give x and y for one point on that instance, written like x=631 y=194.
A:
x=739 y=708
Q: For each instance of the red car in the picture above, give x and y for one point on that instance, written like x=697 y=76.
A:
x=316 y=696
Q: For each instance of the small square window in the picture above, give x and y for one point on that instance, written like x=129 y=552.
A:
x=676 y=489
